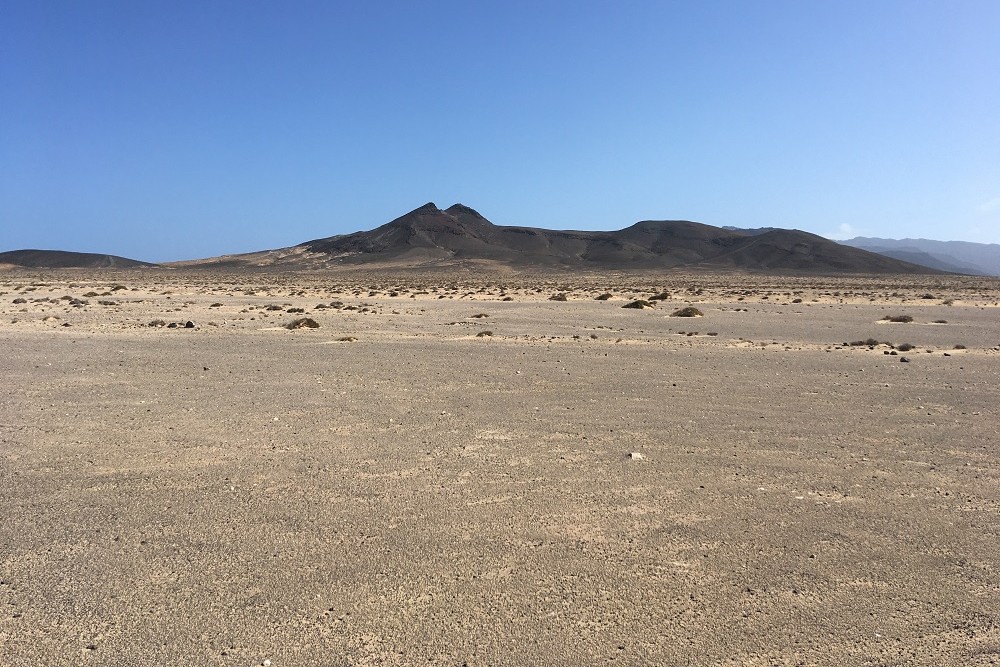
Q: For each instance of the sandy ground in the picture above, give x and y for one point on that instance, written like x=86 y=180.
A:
x=236 y=492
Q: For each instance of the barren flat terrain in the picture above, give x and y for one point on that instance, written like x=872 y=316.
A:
x=460 y=470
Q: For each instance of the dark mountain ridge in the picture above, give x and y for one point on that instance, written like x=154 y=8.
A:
x=62 y=259
x=432 y=235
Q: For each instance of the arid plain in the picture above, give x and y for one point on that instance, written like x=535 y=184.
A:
x=456 y=469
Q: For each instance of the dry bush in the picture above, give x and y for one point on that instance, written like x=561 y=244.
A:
x=303 y=323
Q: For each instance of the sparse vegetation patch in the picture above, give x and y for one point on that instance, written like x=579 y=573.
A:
x=303 y=323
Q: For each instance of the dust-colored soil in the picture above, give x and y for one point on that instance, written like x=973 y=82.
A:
x=393 y=488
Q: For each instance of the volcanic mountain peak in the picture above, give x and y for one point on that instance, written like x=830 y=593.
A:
x=430 y=211
x=462 y=209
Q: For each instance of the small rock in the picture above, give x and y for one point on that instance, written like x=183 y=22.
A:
x=636 y=456
x=189 y=325
x=904 y=360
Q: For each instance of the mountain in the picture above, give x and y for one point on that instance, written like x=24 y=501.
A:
x=429 y=236
x=60 y=259
x=955 y=256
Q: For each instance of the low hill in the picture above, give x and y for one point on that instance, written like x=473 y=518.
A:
x=61 y=259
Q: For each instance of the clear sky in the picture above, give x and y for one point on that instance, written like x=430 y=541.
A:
x=184 y=129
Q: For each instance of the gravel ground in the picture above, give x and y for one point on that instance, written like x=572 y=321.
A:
x=585 y=484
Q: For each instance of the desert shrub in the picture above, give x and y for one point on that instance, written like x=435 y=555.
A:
x=216 y=305
x=796 y=300
x=479 y=316
x=662 y=296
x=296 y=310
x=604 y=297
x=689 y=311
x=940 y=321
x=484 y=334
x=347 y=339
x=303 y=323
x=905 y=347
x=898 y=318
x=638 y=304
x=959 y=347
x=558 y=297
x=508 y=298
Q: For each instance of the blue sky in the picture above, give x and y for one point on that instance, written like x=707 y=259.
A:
x=176 y=130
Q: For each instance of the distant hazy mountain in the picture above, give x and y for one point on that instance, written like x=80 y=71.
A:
x=429 y=236
x=60 y=259
x=954 y=256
